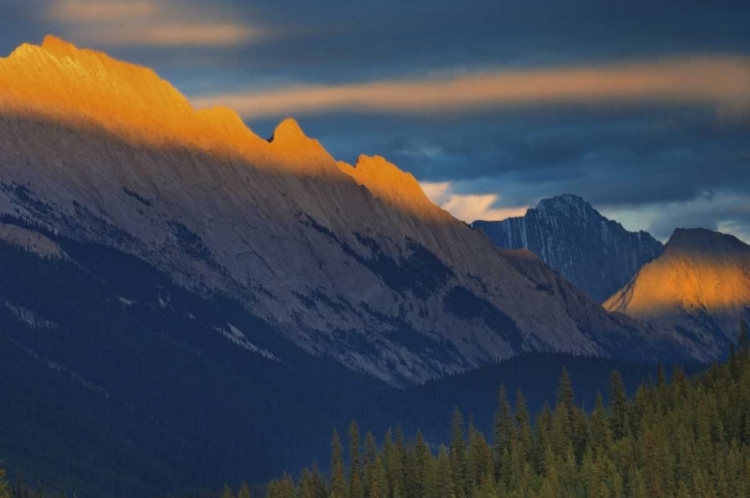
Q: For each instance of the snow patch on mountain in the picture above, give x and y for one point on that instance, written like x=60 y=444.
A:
x=236 y=336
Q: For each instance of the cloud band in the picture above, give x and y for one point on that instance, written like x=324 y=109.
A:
x=719 y=81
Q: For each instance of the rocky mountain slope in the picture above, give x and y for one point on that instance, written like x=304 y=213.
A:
x=348 y=262
x=595 y=254
x=700 y=286
x=118 y=382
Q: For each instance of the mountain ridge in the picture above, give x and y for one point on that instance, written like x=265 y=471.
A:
x=350 y=263
x=700 y=286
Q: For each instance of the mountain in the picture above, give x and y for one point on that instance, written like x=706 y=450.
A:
x=700 y=286
x=182 y=300
x=595 y=254
x=348 y=262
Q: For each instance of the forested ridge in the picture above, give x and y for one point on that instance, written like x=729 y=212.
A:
x=680 y=438
x=677 y=437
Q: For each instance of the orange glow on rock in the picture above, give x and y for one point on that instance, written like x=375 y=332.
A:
x=701 y=273
x=82 y=87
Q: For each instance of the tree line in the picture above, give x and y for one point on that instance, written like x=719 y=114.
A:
x=679 y=438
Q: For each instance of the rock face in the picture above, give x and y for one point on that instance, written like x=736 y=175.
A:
x=351 y=263
x=595 y=254
x=700 y=286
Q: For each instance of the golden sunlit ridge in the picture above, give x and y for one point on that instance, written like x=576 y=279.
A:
x=82 y=87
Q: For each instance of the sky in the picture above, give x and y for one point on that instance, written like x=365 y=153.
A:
x=641 y=107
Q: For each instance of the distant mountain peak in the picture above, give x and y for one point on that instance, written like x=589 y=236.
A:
x=695 y=240
x=701 y=284
x=596 y=254
x=570 y=199
x=566 y=205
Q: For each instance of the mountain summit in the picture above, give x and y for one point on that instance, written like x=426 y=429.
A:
x=597 y=255
x=700 y=285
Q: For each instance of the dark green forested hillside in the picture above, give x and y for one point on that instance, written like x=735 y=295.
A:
x=682 y=438
x=428 y=407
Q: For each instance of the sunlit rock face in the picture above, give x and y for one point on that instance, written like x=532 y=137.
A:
x=595 y=254
x=352 y=263
x=700 y=286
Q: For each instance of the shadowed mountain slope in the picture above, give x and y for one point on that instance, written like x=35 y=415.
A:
x=595 y=254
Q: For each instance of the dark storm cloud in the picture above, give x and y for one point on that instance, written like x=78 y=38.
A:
x=667 y=168
x=732 y=214
x=390 y=37
x=625 y=158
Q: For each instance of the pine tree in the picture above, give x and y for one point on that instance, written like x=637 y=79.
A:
x=306 y=485
x=503 y=430
x=227 y=492
x=600 y=434
x=399 y=455
x=565 y=392
x=551 y=487
x=543 y=438
x=523 y=424
x=356 y=489
x=431 y=480
x=658 y=471
x=4 y=490
x=371 y=449
x=244 y=491
x=286 y=488
x=479 y=459
x=661 y=378
x=355 y=472
x=377 y=484
x=445 y=480
x=392 y=464
x=421 y=463
x=618 y=405
x=679 y=380
x=637 y=487
x=580 y=432
x=338 y=474
x=488 y=488
x=319 y=483
x=743 y=337
x=458 y=455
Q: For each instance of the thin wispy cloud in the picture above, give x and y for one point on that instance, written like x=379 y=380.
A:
x=154 y=23
x=719 y=81
x=469 y=207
